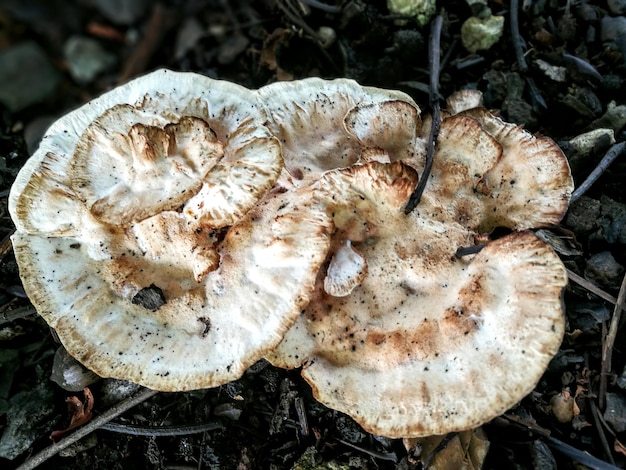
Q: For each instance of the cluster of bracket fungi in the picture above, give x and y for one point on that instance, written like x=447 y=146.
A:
x=177 y=229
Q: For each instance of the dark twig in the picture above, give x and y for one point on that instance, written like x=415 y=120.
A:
x=434 y=66
x=591 y=287
x=160 y=431
x=159 y=23
x=600 y=429
x=614 y=152
x=88 y=428
x=323 y=6
x=442 y=445
x=516 y=38
x=569 y=451
x=469 y=250
x=12 y=315
x=378 y=455
x=609 y=342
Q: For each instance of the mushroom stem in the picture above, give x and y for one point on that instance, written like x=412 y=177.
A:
x=433 y=64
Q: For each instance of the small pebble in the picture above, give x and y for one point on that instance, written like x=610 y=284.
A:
x=613 y=220
x=27 y=76
x=617 y=7
x=70 y=374
x=480 y=34
x=86 y=59
x=29 y=417
x=423 y=10
x=611 y=28
x=585 y=143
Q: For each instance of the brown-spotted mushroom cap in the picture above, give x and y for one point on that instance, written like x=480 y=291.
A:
x=311 y=119
x=427 y=343
x=512 y=171
x=196 y=136
x=171 y=293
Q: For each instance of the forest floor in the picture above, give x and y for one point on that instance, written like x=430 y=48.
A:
x=56 y=55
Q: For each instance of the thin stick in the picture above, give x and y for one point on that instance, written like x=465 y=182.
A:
x=88 y=428
x=392 y=457
x=441 y=446
x=581 y=281
x=614 y=152
x=160 y=431
x=159 y=23
x=516 y=38
x=576 y=455
x=609 y=342
x=434 y=52
x=600 y=429
x=469 y=250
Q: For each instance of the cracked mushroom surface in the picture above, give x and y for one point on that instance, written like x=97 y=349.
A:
x=140 y=241
x=426 y=342
x=311 y=118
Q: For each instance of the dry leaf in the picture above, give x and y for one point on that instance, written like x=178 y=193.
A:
x=80 y=412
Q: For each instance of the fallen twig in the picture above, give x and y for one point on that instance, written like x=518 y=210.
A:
x=591 y=287
x=88 y=428
x=599 y=422
x=157 y=26
x=609 y=342
x=516 y=37
x=434 y=52
x=160 y=431
x=613 y=152
x=569 y=451
x=378 y=455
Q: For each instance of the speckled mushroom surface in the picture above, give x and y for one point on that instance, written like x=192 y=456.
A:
x=423 y=342
x=136 y=241
x=177 y=229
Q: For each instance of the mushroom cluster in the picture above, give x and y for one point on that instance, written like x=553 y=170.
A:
x=178 y=228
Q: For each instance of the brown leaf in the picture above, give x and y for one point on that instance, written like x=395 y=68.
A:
x=80 y=413
x=619 y=447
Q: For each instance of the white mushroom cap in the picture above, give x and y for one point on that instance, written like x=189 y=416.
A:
x=533 y=173
x=138 y=287
x=416 y=352
x=251 y=155
x=488 y=173
x=428 y=343
x=128 y=306
x=324 y=125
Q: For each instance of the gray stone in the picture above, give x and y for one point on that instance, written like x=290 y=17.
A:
x=602 y=269
x=617 y=7
x=615 y=412
x=613 y=220
x=70 y=374
x=30 y=415
x=26 y=76
x=86 y=58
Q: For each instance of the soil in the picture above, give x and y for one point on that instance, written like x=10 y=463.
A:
x=572 y=81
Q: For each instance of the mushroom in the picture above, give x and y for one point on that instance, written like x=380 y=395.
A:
x=141 y=240
x=428 y=342
x=200 y=137
x=309 y=118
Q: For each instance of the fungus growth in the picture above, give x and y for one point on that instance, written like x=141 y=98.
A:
x=178 y=228
x=426 y=342
x=135 y=239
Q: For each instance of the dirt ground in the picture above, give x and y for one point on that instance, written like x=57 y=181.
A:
x=571 y=78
